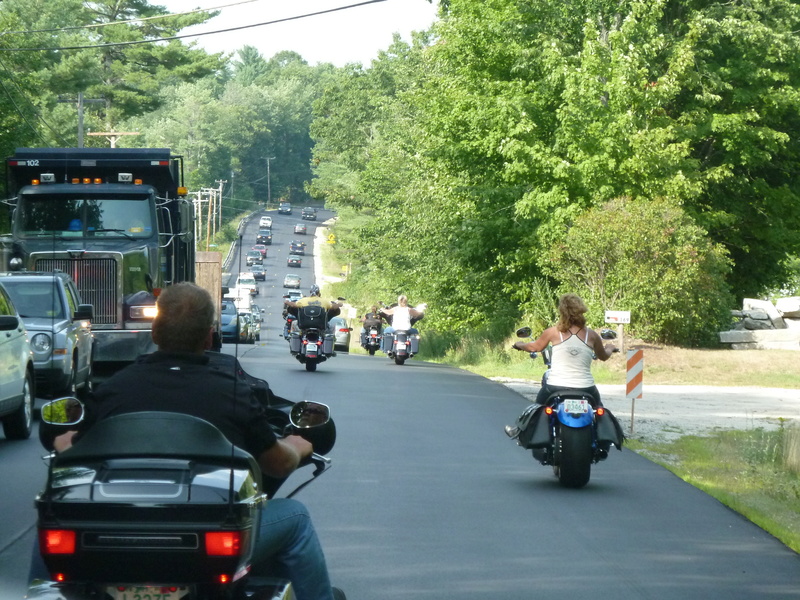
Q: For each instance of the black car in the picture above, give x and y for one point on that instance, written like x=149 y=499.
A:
x=264 y=237
x=309 y=213
x=284 y=208
x=294 y=261
x=259 y=274
x=297 y=247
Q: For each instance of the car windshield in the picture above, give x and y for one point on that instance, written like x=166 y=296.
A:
x=228 y=308
x=43 y=215
x=34 y=298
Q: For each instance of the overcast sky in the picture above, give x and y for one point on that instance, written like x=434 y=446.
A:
x=350 y=35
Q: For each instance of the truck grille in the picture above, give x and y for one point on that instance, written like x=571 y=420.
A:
x=96 y=279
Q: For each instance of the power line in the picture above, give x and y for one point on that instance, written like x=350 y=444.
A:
x=188 y=35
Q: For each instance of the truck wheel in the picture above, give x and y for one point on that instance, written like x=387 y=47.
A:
x=18 y=425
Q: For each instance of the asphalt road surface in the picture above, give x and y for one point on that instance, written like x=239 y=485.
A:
x=427 y=497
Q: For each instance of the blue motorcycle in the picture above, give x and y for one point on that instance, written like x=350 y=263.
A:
x=571 y=431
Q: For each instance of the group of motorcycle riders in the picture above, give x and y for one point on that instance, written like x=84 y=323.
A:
x=182 y=376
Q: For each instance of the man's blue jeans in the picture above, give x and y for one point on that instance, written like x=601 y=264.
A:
x=287 y=546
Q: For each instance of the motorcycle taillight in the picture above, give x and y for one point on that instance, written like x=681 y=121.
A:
x=57 y=541
x=224 y=543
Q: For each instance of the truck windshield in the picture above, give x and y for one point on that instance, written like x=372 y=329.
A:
x=34 y=299
x=64 y=216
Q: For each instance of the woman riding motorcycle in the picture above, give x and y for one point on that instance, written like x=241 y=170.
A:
x=574 y=349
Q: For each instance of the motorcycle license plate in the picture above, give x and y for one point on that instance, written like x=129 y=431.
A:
x=311 y=347
x=145 y=592
x=401 y=345
x=576 y=407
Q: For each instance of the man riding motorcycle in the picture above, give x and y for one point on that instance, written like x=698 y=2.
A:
x=372 y=319
x=313 y=299
x=180 y=377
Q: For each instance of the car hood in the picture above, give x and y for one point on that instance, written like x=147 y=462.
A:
x=44 y=324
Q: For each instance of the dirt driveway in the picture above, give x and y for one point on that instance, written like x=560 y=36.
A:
x=670 y=411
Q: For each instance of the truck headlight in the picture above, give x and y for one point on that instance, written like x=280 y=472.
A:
x=144 y=312
x=41 y=342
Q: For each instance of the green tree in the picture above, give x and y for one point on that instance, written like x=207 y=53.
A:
x=648 y=257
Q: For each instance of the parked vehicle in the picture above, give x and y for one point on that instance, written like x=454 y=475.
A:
x=182 y=524
x=285 y=208
x=291 y=281
x=294 y=261
x=17 y=387
x=300 y=229
x=571 y=431
x=265 y=222
x=116 y=220
x=341 y=333
x=60 y=330
x=309 y=213
x=264 y=237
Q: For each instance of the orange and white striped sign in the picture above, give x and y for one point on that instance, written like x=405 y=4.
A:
x=635 y=368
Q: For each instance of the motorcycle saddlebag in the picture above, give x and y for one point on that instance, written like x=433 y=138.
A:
x=414 y=341
x=534 y=428
x=146 y=498
x=311 y=317
x=609 y=430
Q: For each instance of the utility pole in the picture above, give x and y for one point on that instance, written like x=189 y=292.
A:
x=113 y=136
x=221 y=182
x=269 y=184
x=81 y=102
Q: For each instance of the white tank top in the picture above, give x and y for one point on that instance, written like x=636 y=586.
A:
x=401 y=318
x=572 y=362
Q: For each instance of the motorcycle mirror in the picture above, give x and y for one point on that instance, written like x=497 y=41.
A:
x=306 y=414
x=63 y=411
x=524 y=332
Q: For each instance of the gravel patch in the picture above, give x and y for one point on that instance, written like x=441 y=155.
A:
x=667 y=412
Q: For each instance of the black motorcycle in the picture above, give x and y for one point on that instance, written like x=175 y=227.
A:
x=160 y=505
x=371 y=339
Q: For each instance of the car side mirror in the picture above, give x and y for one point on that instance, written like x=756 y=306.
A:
x=8 y=322
x=85 y=312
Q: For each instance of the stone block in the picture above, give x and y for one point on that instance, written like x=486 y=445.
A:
x=766 y=306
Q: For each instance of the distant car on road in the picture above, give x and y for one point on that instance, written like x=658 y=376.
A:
x=254 y=258
x=261 y=248
x=264 y=237
x=60 y=330
x=291 y=281
x=232 y=330
x=309 y=213
x=300 y=228
x=259 y=273
x=17 y=383
x=297 y=247
x=285 y=208
x=293 y=295
x=294 y=261
x=265 y=222
x=248 y=282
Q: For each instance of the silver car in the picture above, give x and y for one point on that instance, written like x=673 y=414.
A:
x=17 y=382
x=341 y=333
x=60 y=330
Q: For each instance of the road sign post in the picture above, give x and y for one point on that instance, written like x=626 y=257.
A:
x=634 y=378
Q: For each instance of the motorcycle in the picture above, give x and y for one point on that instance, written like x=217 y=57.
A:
x=371 y=339
x=131 y=514
x=570 y=432
x=311 y=343
x=400 y=345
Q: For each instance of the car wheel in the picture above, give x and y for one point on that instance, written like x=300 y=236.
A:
x=18 y=425
x=88 y=384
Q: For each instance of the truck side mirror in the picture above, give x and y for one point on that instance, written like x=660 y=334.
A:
x=85 y=312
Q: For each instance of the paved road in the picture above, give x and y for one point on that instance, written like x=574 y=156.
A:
x=429 y=499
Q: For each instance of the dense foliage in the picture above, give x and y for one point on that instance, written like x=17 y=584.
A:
x=640 y=152
x=522 y=123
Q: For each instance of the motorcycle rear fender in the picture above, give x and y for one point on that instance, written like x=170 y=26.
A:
x=574 y=421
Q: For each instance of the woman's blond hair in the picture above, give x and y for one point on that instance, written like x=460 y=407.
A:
x=571 y=310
